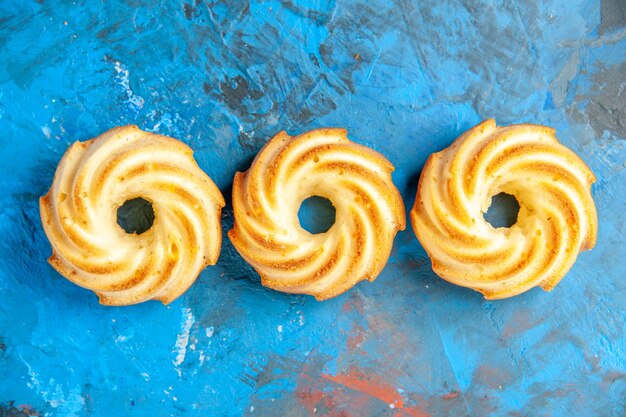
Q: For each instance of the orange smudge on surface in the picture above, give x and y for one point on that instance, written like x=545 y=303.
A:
x=521 y=322
x=353 y=303
x=412 y=412
x=355 y=340
x=353 y=393
x=27 y=410
x=359 y=381
x=308 y=395
x=313 y=399
x=451 y=395
x=318 y=402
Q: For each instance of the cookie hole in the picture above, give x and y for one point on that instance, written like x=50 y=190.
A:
x=316 y=215
x=503 y=210
x=135 y=216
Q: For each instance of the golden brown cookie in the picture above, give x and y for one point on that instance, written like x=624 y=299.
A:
x=79 y=216
x=325 y=163
x=557 y=216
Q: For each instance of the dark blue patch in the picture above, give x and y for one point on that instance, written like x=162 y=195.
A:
x=503 y=210
x=549 y=103
x=316 y=215
x=10 y=410
x=135 y=215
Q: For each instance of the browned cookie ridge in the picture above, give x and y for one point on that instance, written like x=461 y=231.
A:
x=79 y=216
x=325 y=163
x=557 y=217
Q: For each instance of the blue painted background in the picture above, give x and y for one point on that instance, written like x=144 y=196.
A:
x=406 y=78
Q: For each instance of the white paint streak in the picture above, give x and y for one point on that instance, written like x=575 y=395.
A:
x=183 y=338
x=46 y=131
x=123 y=80
x=165 y=120
x=210 y=331
x=69 y=404
x=371 y=68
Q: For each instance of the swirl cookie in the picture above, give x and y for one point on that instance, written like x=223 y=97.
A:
x=557 y=217
x=325 y=163
x=79 y=216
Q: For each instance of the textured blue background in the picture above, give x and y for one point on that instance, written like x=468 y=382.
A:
x=406 y=78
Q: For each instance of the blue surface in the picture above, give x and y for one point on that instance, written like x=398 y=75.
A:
x=403 y=77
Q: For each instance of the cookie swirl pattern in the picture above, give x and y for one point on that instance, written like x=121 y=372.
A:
x=79 y=216
x=325 y=163
x=557 y=217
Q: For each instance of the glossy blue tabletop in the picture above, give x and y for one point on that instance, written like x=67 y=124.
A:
x=405 y=78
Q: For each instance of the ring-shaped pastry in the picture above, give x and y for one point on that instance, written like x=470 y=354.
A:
x=325 y=163
x=79 y=216
x=557 y=217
